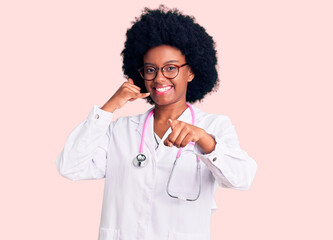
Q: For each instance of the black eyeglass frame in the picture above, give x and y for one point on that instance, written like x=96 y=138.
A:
x=162 y=70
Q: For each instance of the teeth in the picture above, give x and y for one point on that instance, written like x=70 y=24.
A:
x=162 y=89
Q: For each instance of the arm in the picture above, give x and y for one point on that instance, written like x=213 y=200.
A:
x=220 y=151
x=231 y=166
x=85 y=152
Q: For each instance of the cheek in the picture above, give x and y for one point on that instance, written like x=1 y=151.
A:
x=147 y=85
x=182 y=80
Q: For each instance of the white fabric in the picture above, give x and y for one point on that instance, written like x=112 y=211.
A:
x=136 y=205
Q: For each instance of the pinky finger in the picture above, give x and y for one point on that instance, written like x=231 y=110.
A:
x=142 y=95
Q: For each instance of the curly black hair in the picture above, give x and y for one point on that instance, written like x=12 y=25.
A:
x=165 y=26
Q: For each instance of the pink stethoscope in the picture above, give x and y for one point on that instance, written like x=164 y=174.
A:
x=141 y=160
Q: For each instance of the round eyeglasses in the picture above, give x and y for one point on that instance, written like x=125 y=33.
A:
x=149 y=72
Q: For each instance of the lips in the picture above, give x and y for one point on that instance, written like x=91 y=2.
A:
x=162 y=90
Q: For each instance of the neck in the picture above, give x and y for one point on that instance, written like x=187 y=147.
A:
x=164 y=112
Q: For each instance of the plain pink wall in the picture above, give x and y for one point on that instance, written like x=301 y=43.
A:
x=58 y=58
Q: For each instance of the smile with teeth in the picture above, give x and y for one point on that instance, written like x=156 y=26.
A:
x=163 y=89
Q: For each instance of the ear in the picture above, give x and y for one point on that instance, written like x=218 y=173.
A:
x=191 y=76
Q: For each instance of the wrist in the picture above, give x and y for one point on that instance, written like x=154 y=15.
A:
x=206 y=143
x=109 y=107
x=202 y=136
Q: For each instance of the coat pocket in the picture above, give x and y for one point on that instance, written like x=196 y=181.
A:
x=108 y=234
x=185 y=236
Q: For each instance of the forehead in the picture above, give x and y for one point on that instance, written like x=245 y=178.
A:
x=163 y=54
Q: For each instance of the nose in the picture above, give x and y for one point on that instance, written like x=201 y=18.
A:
x=159 y=76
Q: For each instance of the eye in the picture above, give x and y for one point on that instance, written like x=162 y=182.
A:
x=170 y=68
x=149 y=69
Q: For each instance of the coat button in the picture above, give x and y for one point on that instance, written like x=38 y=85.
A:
x=97 y=116
x=214 y=159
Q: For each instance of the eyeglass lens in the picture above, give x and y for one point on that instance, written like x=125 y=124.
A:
x=169 y=71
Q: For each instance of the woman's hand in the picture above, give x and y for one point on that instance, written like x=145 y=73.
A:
x=184 y=133
x=127 y=92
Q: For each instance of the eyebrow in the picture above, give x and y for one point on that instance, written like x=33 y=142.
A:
x=171 y=61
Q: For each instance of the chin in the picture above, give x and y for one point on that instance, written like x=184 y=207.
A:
x=161 y=103
x=164 y=102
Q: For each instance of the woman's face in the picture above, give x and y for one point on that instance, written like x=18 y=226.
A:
x=162 y=90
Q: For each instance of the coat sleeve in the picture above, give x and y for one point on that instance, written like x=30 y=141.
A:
x=231 y=166
x=85 y=152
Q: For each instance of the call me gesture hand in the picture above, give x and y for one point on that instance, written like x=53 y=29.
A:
x=184 y=133
x=127 y=92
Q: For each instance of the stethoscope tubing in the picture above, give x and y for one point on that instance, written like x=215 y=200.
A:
x=199 y=179
x=144 y=130
x=141 y=160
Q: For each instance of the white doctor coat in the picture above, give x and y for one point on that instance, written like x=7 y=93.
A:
x=136 y=205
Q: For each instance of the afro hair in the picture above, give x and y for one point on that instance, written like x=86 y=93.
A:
x=165 y=26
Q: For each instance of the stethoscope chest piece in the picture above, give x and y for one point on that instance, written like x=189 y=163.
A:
x=140 y=160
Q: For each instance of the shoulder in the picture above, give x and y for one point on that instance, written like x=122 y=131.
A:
x=132 y=120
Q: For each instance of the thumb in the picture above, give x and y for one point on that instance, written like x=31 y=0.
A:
x=130 y=80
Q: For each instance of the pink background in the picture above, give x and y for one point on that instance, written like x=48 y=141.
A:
x=58 y=58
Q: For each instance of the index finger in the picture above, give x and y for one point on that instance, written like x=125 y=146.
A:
x=172 y=123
